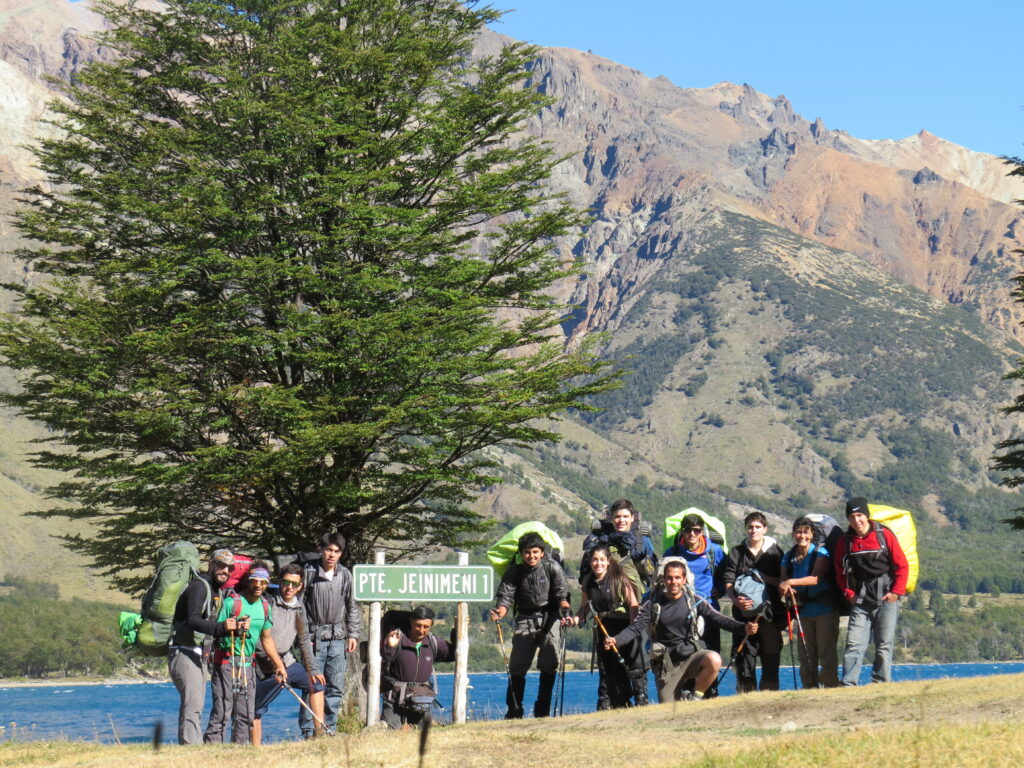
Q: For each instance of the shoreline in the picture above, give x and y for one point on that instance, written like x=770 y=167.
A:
x=74 y=682
x=71 y=682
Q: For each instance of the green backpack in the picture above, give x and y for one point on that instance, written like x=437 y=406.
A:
x=505 y=550
x=713 y=527
x=177 y=565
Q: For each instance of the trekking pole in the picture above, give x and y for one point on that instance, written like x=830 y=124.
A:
x=792 y=660
x=231 y=661
x=732 y=660
x=618 y=653
x=508 y=673
x=561 y=696
x=316 y=718
x=803 y=641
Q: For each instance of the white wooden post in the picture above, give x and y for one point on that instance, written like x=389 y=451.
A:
x=373 y=654
x=461 y=655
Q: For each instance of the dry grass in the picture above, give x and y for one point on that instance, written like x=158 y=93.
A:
x=973 y=722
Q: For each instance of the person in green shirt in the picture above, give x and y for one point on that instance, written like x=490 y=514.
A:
x=248 y=619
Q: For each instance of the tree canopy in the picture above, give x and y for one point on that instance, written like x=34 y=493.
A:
x=297 y=264
x=1010 y=458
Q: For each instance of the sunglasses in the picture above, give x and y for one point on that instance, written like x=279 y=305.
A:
x=290 y=583
x=694 y=530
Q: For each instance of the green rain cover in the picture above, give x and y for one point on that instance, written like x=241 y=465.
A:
x=177 y=565
x=506 y=549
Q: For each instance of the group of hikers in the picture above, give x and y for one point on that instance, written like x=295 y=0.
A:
x=672 y=624
x=647 y=615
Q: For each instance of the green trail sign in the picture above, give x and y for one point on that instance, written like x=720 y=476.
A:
x=426 y=583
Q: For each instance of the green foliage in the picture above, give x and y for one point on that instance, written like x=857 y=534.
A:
x=46 y=636
x=947 y=633
x=1009 y=458
x=297 y=260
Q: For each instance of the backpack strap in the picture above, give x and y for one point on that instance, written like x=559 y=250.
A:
x=208 y=605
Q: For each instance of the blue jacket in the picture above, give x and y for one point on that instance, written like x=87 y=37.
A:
x=703 y=566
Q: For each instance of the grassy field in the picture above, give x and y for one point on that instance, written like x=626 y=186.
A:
x=966 y=723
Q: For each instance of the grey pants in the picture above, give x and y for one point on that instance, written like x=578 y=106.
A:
x=229 y=705
x=529 y=639
x=821 y=634
x=186 y=670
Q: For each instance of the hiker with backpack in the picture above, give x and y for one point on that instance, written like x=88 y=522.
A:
x=630 y=546
x=611 y=598
x=670 y=615
x=871 y=573
x=335 y=622
x=407 y=663
x=751 y=577
x=234 y=681
x=704 y=559
x=290 y=626
x=537 y=593
x=807 y=585
x=195 y=620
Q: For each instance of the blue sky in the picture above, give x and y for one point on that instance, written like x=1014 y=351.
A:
x=880 y=70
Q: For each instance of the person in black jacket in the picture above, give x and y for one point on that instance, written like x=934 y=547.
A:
x=407 y=661
x=761 y=553
x=677 y=653
x=195 y=619
x=538 y=592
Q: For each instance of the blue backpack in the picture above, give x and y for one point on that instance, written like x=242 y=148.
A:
x=751 y=586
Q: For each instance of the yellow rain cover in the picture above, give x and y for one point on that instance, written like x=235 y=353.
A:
x=901 y=523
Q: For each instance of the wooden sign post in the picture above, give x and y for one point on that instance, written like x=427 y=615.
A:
x=462 y=584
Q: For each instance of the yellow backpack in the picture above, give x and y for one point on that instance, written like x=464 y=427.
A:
x=901 y=523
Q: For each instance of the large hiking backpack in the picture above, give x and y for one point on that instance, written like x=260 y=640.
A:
x=901 y=523
x=241 y=568
x=827 y=530
x=751 y=586
x=177 y=565
x=505 y=550
x=640 y=563
x=714 y=528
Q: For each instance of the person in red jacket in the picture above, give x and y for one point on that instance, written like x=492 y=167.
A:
x=871 y=571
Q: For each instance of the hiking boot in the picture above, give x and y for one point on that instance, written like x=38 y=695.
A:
x=514 y=697
x=640 y=691
x=686 y=696
x=542 y=707
x=319 y=732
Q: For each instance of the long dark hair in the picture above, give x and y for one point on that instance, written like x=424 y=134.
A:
x=616 y=578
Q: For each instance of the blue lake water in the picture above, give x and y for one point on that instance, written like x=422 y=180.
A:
x=127 y=713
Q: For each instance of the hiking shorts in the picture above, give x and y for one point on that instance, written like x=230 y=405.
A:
x=671 y=677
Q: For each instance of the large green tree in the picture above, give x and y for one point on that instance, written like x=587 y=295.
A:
x=298 y=257
x=1010 y=453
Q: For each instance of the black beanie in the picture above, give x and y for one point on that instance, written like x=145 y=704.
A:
x=857 y=504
